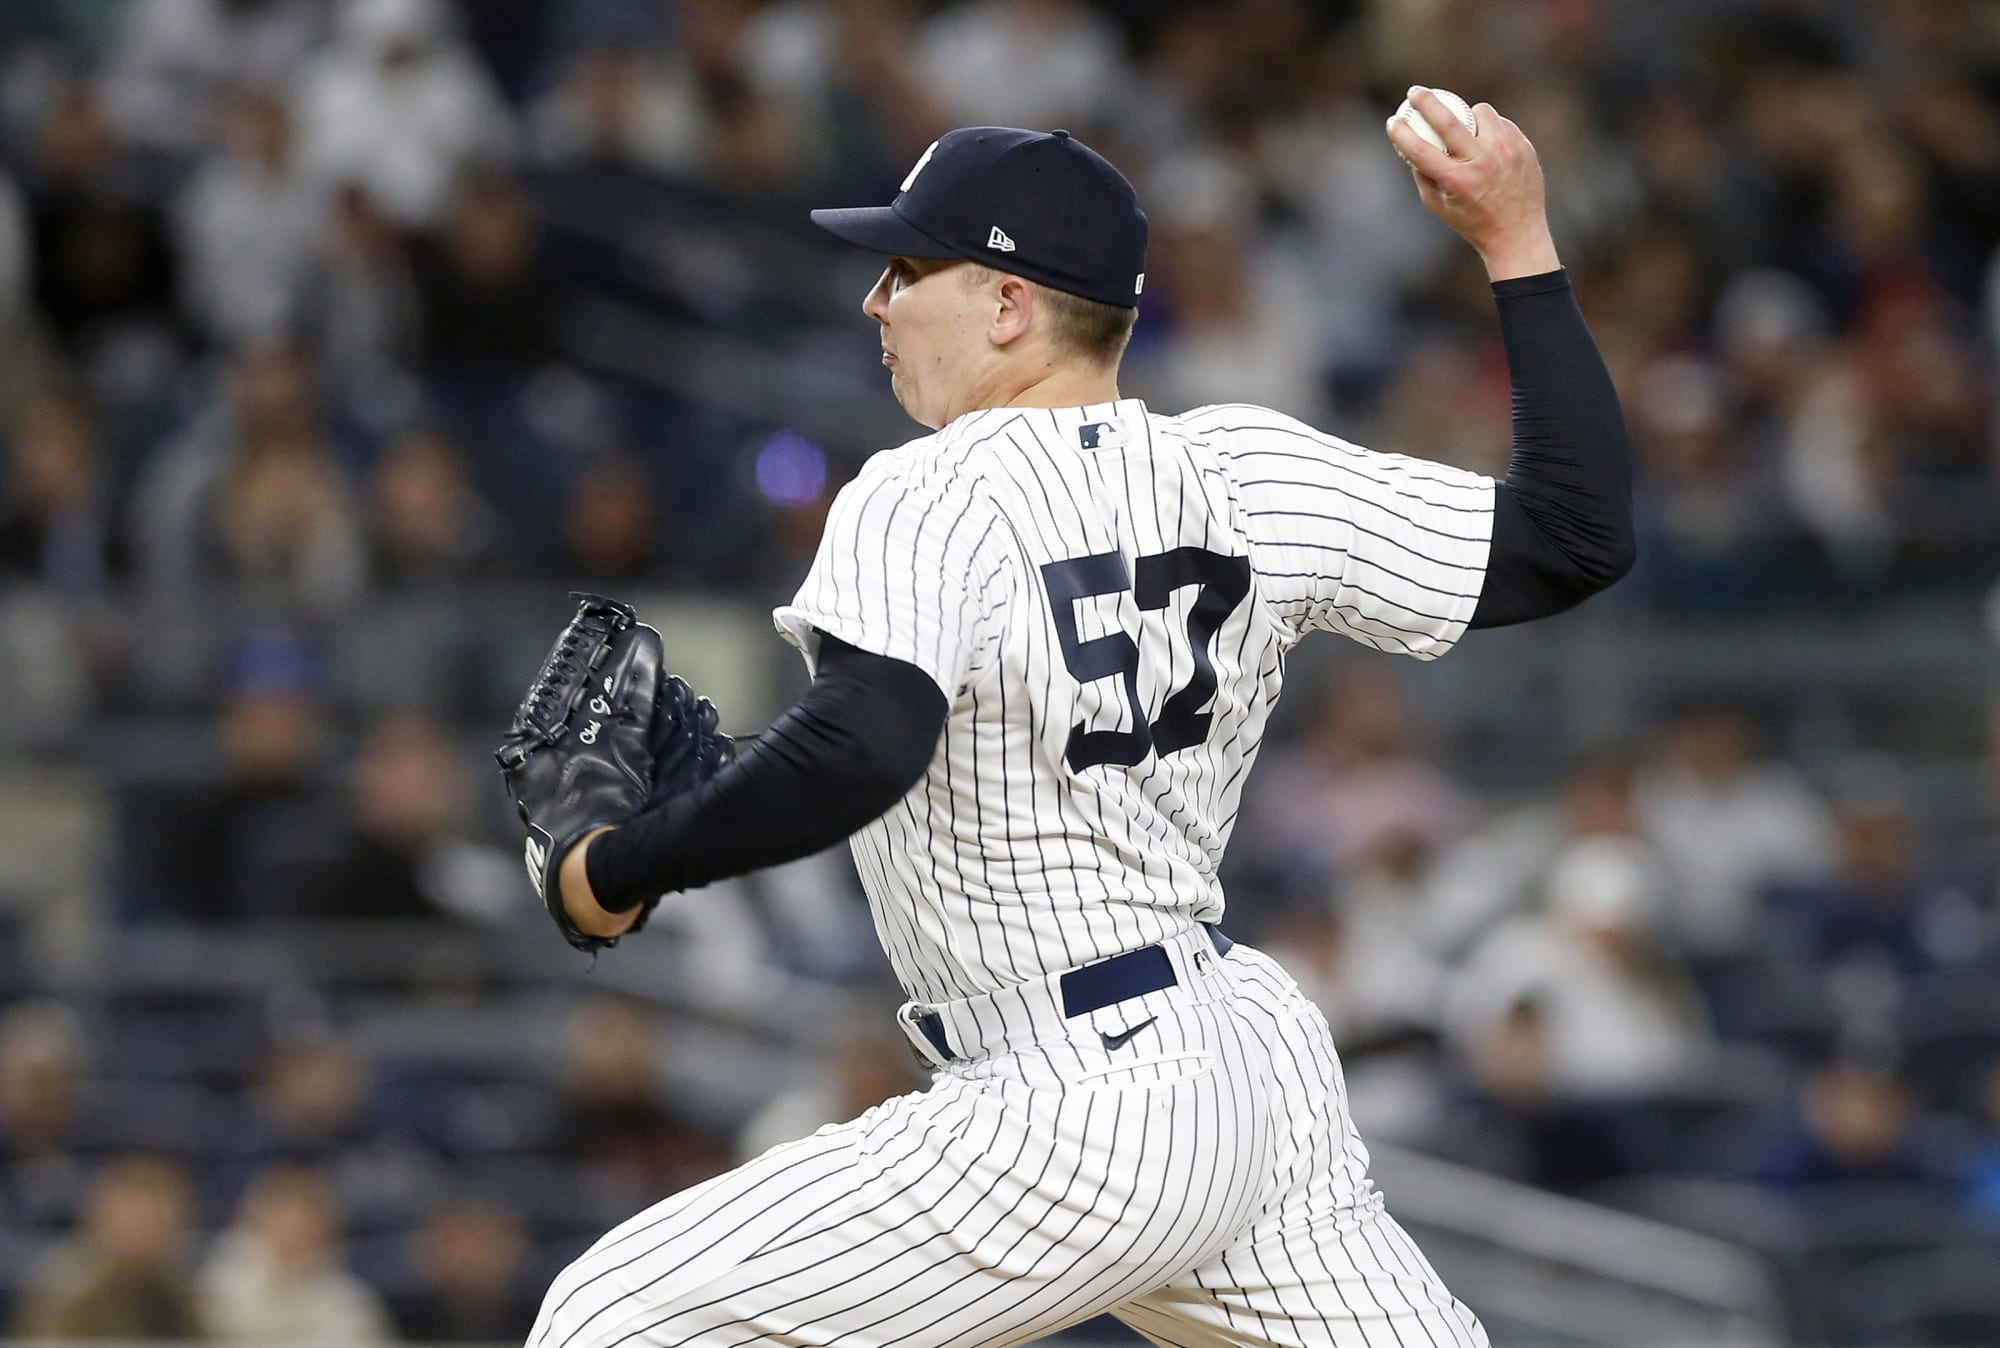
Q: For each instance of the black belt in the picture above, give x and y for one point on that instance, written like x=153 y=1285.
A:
x=1092 y=987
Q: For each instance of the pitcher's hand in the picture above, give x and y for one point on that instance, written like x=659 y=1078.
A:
x=1487 y=187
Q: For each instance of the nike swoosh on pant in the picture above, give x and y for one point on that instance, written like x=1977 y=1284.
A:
x=1116 y=1041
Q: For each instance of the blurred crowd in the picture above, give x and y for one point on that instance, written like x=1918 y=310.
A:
x=1694 y=982
x=330 y=1197
x=317 y=297
x=331 y=328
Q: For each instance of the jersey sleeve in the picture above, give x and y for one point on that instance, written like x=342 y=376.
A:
x=1387 y=549
x=906 y=568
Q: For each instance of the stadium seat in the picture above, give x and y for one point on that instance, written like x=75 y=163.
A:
x=1742 y=1213
x=562 y=1203
x=1944 y=1297
x=184 y=1120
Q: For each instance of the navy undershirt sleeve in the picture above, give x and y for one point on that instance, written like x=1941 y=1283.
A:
x=1562 y=519
x=854 y=745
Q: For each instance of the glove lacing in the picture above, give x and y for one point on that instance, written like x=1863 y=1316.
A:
x=561 y=661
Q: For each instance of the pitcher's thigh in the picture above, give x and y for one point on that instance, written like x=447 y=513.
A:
x=1363 y=1284
x=631 y=1285
x=962 y=1216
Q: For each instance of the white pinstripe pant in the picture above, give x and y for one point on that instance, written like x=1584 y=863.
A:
x=1201 y=1181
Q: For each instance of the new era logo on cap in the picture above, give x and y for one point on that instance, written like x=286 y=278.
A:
x=998 y=239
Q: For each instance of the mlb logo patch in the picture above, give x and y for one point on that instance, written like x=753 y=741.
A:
x=1101 y=434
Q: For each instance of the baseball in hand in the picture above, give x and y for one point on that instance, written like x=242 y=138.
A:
x=1418 y=124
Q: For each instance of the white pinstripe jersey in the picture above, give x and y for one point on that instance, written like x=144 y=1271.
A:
x=1106 y=596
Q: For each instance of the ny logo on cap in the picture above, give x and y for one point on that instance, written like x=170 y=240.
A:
x=998 y=239
x=922 y=160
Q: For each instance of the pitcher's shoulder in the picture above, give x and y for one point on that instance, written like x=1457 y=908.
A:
x=924 y=470
x=1233 y=418
x=912 y=456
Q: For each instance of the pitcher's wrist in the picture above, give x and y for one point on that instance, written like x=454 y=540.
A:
x=1528 y=255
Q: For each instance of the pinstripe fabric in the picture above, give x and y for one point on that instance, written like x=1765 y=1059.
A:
x=1201 y=1181
x=1383 y=548
x=1007 y=861
x=1106 y=598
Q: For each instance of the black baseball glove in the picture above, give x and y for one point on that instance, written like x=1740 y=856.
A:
x=601 y=736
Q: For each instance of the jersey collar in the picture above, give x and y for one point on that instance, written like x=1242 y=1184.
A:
x=1093 y=426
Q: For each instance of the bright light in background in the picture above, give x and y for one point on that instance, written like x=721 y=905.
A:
x=791 y=470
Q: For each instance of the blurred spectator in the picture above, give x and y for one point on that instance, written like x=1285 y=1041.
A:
x=1980 y=1177
x=308 y=1101
x=1369 y=946
x=1709 y=507
x=475 y=1283
x=177 y=62
x=1953 y=125
x=849 y=66
x=362 y=312
x=761 y=166
x=648 y=107
x=124 y=1274
x=1238 y=323
x=25 y=361
x=105 y=271
x=487 y=308
x=610 y=524
x=1878 y=921
x=1324 y=190
x=1042 y=63
x=428 y=526
x=1616 y=1016
x=314 y=1101
x=44 y=1072
x=403 y=852
x=16 y=251
x=287 y=531
x=1772 y=331
x=1360 y=782
x=1854 y=1120
x=1568 y=1022
x=226 y=849
x=55 y=518
x=618 y=108
x=1503 y=868
x=1732 y=825
x=271 y=395
x=1871 y=248
x=254 y=497
x=1441 y=402
x=401 y=108
x=871 y=1062
x=276 y=1275
x=1594 y=192
x=614 y=1116
x=1839 y=470
x=249 y=219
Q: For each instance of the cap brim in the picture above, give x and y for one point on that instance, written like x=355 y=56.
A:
x=880 y=230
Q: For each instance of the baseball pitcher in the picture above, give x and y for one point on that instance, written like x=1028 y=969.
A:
x=1046 y=639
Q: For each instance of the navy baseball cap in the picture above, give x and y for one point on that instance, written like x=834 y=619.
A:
x=1041 y=205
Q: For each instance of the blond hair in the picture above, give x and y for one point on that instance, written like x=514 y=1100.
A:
x=1077 y=326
